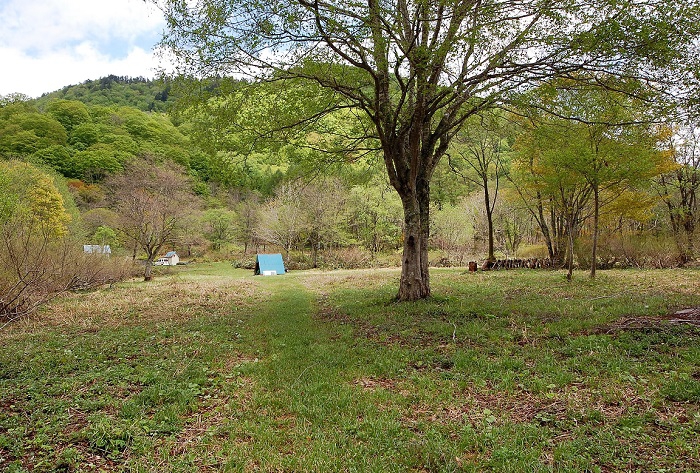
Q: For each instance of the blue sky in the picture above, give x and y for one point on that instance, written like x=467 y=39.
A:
x=48 y=44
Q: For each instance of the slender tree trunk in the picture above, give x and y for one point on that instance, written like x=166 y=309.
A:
x=596 y=215
x=489 y=220
x=689 y=230
x=542 y=223
x=570 y=252
x=314 y=252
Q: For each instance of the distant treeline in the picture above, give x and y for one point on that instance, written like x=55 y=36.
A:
x=145 y=94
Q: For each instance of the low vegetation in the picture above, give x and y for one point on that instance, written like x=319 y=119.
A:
x=210 y=369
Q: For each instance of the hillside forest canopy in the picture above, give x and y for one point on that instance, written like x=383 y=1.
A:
x=573 y=168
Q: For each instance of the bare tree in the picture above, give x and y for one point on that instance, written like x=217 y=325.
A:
x=324 y=214
x=152 y=202
x=281 y=221
x=36 y=267
x=247 y=213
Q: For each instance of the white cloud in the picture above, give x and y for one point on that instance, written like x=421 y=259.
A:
x=45 y=24
x=35 y=75
x=47 y=44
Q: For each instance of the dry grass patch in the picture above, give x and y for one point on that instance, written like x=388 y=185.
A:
x=212 y=413
x=235 y=361
x=662 y=282
x=323 y=283
x=480 y=407
x=201 y=442
x=165 y=300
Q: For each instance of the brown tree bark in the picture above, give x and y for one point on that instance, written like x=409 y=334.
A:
x=415 y=277
x=148 y=271
x=596 y=218
x=489 y=220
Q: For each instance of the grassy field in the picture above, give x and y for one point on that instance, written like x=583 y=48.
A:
x=211 y=369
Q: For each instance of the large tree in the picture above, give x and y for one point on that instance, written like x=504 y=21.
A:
x=418 y=69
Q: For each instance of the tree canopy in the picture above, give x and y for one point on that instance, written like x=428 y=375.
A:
x=419 y=69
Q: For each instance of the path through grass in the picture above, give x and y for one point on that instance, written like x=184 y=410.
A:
x=214 y=370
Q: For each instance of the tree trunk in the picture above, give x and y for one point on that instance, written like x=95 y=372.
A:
x=148 y=272
x=690 y=246
x=489 y=220
x=596 y=215
x=570 y=252
x=689 y=230
x=415 y=280
x=424 y=205
x=542 y=224
x=314 y=252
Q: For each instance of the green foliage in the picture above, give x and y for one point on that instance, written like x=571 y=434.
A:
x=219 y=226
x=575 y=168
x=236 y=138
x=59 y=158
x=23 y=130
x=146 y=95
x=97 y=162
x=87 y=134
x=89 y=142
x=69 y=113
x=31 y=202
x=105 y=235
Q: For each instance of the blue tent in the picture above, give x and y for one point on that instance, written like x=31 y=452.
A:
x=269 y=265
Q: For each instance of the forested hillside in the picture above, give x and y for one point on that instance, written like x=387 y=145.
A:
x=212 y=185
x=144 y=94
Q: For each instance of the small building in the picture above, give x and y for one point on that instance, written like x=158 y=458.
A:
x=269 y=265
x=97 y=250
x=170 y=259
